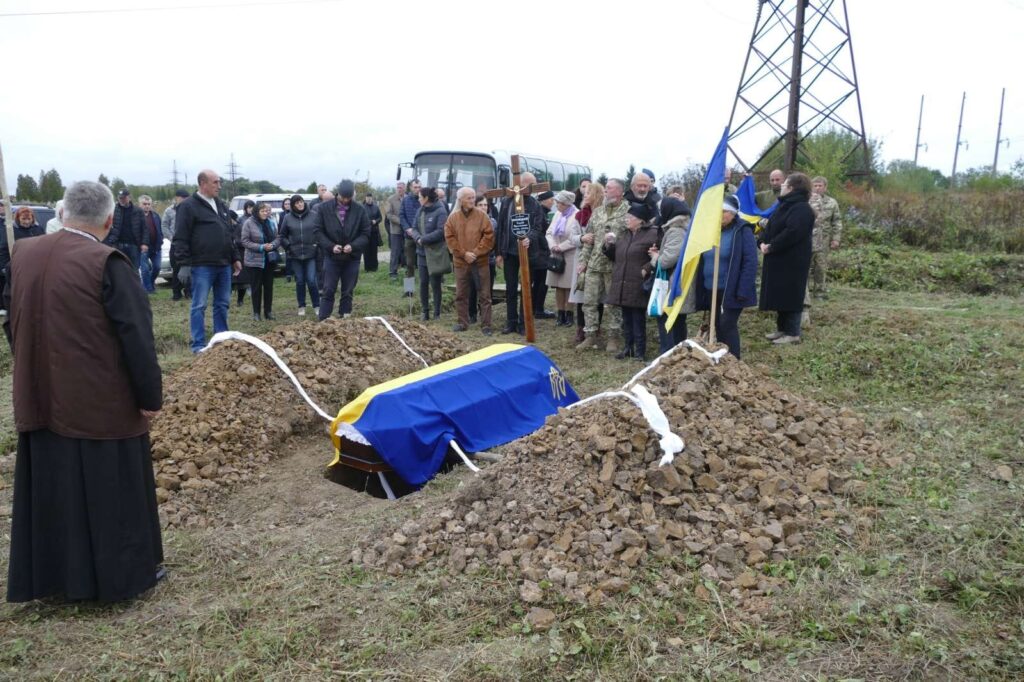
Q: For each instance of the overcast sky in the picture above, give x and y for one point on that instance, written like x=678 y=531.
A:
x=320 y=90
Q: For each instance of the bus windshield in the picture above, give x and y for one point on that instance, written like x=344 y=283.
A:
x=454 y=171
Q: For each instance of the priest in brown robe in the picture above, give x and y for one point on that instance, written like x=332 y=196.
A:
x=86 y=384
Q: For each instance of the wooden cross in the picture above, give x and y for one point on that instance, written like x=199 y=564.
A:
x=521 y=228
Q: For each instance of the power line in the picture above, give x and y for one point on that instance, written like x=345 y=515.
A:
x=164 y=8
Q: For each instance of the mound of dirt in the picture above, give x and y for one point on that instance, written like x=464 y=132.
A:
x=581 y=504
x=231 y=410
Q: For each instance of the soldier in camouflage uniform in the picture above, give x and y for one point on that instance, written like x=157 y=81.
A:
x=767 y=197
x=828 y=227
x=597 y=269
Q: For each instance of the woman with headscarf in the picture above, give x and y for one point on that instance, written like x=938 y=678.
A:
x=675 y=223
x=428 y=233
x=592 y=198
x=563 y=237
x=297 y=238
x=260 y=241
x=737 y=271
x=786 y=244
x=631 y=254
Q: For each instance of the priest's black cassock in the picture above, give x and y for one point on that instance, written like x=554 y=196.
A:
x=85 y=524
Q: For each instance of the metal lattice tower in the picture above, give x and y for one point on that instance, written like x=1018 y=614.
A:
x=799 y=75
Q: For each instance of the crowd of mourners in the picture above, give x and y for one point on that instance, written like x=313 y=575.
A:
x=600 y=248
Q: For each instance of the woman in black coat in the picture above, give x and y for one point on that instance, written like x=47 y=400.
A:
x=786 y=245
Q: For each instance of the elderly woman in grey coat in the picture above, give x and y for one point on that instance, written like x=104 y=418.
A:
x=563 y=237
x=260 y=240
x=675 y=223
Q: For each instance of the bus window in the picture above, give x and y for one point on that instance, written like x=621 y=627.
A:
x=432 y=169
x=557 y=176
x=470 y=170
x=538 y=168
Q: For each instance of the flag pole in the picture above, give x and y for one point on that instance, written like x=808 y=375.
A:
x=714 y=299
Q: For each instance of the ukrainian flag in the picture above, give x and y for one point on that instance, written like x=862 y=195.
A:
x=705 y=231
x=748 y=203
x=480 y=400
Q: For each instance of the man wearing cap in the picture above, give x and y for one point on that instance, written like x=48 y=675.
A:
x=127 y=235
x=342 y=231
x=596 y=268
x=167 y=225
x=470 y=238
x=206 y=254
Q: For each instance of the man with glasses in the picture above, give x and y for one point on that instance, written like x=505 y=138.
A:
x=206 y=253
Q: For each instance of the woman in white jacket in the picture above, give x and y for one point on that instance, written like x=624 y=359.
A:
x=563 y=237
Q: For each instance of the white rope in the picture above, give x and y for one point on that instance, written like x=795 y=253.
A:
x=400 y=339
x=455 y=446
x=670 y=442
x=220 y=337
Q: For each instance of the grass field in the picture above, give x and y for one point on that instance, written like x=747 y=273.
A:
x=933 y=589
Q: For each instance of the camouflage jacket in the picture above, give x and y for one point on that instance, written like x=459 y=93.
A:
x=765 y=198
x=604 y=220
x=828 y=223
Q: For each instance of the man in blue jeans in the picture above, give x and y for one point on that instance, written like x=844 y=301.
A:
x=342 y=231
x=207 y=254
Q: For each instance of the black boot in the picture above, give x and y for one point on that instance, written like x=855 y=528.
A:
x=569 y=321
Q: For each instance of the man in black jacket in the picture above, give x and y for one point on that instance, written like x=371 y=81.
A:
x=507 y=249
x=206 y=254
x=342 y=231
x=127 y=235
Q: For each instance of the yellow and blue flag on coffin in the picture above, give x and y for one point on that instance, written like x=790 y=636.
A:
x=748 y=203
x=705 y=231
x=480 y=400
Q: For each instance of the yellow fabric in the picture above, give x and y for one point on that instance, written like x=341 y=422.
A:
x=705 y=234
x=351 y=412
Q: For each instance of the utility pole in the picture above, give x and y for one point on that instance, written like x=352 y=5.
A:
x=917 y=145
x=174 y=175
x=999 y=134
x=233 y=174
x=792 y=125
x=799 y=77
x=959 y=127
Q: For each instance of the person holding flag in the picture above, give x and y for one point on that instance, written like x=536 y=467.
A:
x=786 y=245
x=735 y=288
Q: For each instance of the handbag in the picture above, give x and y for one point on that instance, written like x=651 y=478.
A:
x=272 y=256
x=659 y=294
x=556 y=263
x=438 y=260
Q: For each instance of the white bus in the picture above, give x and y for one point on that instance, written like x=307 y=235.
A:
x=452 y=170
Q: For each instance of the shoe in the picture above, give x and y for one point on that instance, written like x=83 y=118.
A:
x=255 y=317
x=486 y=331
x=613 y=345
x=508 y=329
x=177 y=298
x=459 y=328
x=624 y=353
x=544 y=315
x=268 y=316
x=302 y=312
x=771 y=336
x=425 y=317
x=472 y=319
x=589 y=341
x=393 y=276
x=580 y=336
x=785 y=339
x=805 y=319
x=161 y=573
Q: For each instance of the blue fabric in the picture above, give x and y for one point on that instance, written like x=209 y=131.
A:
x=204 y=279
x=410 y=205
x=480 y=406
x=709 y=260
x=748 y=203
x=305 y=277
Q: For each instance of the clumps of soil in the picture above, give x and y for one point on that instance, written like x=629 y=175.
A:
x=231 y=410
x=578 y=507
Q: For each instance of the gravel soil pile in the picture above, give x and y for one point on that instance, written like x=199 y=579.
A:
x=231 y=410
x=579 y=506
